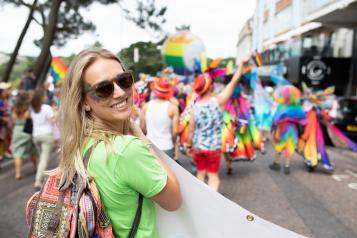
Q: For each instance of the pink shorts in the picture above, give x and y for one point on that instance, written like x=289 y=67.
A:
x=207 y=160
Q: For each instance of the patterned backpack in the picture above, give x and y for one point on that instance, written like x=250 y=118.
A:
x=74 y=211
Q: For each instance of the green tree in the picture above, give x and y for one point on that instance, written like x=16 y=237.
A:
x=11 y=63
x=61 y=20
x=150 y=58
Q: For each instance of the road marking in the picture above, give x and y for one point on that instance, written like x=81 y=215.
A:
x=339 y=177
x=352 y=185
x=351 y=173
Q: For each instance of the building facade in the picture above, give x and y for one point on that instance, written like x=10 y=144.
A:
x=245 y=40
x=315 y=39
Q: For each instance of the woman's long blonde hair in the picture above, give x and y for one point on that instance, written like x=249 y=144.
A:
x=77 y=125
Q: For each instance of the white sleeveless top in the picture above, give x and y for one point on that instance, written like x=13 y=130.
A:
x=159 y=124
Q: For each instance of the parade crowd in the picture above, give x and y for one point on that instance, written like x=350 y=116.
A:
x=204 y=117
x=106 y=115
x=28 y=129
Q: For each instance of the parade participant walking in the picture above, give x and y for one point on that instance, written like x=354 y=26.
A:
x=159 y=118
x=205 y=126
x=96 y=103
x=21 y=142
x=43 y=118
x=288 y=116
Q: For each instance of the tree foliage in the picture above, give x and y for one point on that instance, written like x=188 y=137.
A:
x=145 y=14
x=150 y=58
x=62 y=20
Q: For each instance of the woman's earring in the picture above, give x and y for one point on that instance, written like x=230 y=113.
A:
x=87 y=108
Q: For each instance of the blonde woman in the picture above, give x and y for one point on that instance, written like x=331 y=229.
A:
x=96 y=103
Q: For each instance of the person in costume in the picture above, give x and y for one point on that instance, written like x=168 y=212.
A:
x=288 y=116
x=312 y=143
x=205 y=126
x=159 y=117
x=240 y=135
x=263 y=110
x=96 y=103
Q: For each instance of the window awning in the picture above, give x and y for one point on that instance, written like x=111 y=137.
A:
x=292 y=33
x=343 y=13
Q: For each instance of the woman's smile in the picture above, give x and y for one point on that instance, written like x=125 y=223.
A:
x=121 y=105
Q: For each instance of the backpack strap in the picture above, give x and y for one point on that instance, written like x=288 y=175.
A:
x=135 y=225
x=137 y=217
x=136 y=221
x=88 y=153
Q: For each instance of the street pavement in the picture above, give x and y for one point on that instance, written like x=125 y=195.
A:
x=312 y=204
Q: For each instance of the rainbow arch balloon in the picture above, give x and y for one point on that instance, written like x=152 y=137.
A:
x=181 y=50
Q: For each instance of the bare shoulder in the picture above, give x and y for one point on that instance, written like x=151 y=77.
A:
x=221 y=101
x=173 y=109
x=144 y=107
x=174 y=101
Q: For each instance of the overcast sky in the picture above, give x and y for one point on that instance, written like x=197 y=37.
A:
x=216 y=22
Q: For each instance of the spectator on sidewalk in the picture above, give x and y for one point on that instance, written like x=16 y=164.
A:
x=21 y=143
x=43 y=118
x=28 y=81
x=5 y=121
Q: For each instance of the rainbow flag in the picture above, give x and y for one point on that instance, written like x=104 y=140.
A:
x=58 y=69
x=257 y=58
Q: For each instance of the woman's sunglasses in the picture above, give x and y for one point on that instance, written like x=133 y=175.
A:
x=105 y=88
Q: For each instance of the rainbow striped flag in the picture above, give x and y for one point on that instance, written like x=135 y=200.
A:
x=257 y=58
x=58 y=69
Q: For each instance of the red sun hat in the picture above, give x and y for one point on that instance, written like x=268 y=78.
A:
x=202 y=83
x=163 y=89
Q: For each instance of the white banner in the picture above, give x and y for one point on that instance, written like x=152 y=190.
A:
x=207 y=214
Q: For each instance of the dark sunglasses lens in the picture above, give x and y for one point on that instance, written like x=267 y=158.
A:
x=104 y=89
x=125 y=81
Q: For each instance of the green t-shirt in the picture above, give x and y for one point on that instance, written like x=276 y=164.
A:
x=130 y=170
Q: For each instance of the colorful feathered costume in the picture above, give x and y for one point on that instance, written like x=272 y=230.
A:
x=312 y=143
x=240 y=136
x=288 y=116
